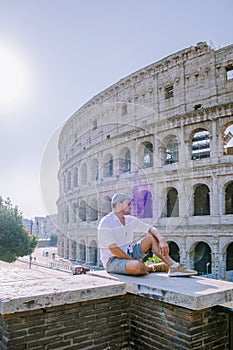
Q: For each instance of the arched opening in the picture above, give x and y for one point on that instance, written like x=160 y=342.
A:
x=125 y=161
x=82 y=251
x=172 y=150
x=202 y=259
x=108 y=166
x=147 y=158
x=228 y=140
x=66 y=248
x=83 y=174
x=73 y=250
x=172 y=203
x=229 y=262
x=201 y=144
x=147 y=203
x=201 y=200
x=229 y=199
x=83 y=211
x=94 y=210
x=67 y=214
x=75 y=178
x=143 y=207
x=174 y=251
x=93 y=253
x=74 y=212
x=94 y=170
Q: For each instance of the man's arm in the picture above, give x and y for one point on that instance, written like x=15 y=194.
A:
x=118 y=252
x=164 y=248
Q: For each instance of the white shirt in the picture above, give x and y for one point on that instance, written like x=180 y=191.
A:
x=111 y=230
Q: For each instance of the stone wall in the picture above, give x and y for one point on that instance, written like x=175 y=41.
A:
x=100 y=324
x=42 y=309
x=118 y=323
x=156 y=325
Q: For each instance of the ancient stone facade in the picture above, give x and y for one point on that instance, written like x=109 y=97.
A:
x=165 y=135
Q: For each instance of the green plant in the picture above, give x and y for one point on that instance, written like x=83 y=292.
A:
x=15 y=241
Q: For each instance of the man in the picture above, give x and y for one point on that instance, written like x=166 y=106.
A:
x=118 y=252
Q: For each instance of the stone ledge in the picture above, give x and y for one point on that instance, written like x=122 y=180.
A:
x=23 y=290
x=195 y=293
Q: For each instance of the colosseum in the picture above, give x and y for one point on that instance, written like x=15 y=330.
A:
x=164 y=134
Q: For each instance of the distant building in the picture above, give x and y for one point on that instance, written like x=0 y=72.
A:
x=163 y=134
x=42 y=227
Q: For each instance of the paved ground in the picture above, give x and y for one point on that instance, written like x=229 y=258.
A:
x=47 y=257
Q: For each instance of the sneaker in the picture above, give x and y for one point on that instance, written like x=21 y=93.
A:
x=158 y=267
x=181 y=271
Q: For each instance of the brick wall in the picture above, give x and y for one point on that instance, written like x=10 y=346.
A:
x=100 y=325
x=156 y=325
x=117 y=323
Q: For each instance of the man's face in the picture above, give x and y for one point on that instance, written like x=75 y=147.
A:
x=125 y=207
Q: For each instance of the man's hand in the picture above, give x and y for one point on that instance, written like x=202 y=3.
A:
x=163 y=246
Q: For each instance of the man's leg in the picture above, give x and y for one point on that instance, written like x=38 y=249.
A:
x=175 y=269
x=150 y=242
x=137 y=268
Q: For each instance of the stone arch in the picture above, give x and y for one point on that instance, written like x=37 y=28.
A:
x=146 y=155
x=73 y=250
x=143 y=204
x=125 y=160
x=201 y=200
x=108 y=165
x=229 y=198
x=200 y=144
x=94 y=210
x=227 y=135
x=67 y=214
x=75 y=177
x=66 y=248
x=93 y=252
x=82 y=251
x=83 y=174
x=172 y=203
x=229 y=257
x=83 y=211
x=74 y=212
x=94 y=170
x=202 y=258
x=174 y=251
x=171 y=149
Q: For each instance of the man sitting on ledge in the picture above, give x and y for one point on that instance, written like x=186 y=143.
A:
x=120 y=254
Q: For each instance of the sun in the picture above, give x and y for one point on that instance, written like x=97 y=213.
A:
x=13 y=75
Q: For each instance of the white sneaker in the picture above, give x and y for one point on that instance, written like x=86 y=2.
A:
x=181 y=271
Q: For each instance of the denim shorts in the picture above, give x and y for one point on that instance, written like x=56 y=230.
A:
x=117 y=265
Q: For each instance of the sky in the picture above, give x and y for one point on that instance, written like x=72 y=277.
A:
x=57 y=54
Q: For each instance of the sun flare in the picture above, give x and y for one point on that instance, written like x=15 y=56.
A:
x=13 y=76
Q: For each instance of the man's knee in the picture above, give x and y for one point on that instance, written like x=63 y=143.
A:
x=136 y=267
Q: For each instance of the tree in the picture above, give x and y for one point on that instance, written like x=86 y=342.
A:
x=15 y=241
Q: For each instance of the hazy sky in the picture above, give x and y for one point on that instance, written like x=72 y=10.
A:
x=57 y=54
